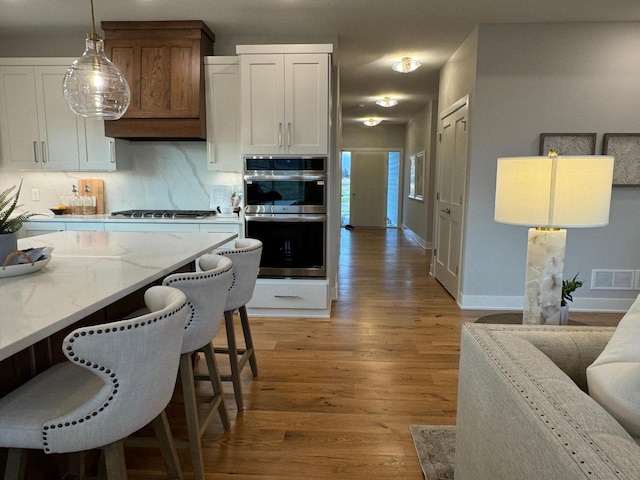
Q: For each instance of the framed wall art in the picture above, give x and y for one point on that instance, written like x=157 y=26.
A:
x=625 y=149
x=568 y=143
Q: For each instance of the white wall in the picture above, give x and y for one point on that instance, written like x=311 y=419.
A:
x=548 y=78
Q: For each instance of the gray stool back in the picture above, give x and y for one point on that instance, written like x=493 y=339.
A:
x=246 y=265
x=206 y=293
x=119 y=377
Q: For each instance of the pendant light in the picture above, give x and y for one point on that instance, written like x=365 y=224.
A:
x=93 y=87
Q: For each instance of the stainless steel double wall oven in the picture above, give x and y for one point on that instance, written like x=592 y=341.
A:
x=286 y=208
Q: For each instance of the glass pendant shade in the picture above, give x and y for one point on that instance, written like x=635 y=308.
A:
x=372 y=122
x=93 y=87
x=406 y=65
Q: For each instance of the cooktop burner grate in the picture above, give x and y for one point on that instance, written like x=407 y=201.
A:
x=167 y=214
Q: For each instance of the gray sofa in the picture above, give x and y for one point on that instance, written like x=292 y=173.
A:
x=523 y=410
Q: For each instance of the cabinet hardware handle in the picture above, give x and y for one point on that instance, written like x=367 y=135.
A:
x=211 y=151
x=112 y=151
x=35 y=151
x=44 y=154
x=288 y=134
x=287 y=296
x=280 y=134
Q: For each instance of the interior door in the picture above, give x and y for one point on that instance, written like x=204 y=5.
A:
x=368 y=189
x=452 y=177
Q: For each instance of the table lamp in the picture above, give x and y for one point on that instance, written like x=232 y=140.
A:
x=550 y=194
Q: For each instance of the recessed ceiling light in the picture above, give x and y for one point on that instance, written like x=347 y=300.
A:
x=372 y=122
x=406 y=65
x=387 y=102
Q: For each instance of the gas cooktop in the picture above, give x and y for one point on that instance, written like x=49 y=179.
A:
x=166 y=214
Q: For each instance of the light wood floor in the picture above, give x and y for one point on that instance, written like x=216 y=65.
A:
x=335 y=397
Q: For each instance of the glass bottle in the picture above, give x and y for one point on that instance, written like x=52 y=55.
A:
x=75 y=202
x=88 y=202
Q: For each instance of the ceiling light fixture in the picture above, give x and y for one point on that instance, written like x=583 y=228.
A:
x=387 y=102
x=372 y=122
x=93 y=87
x=406 y=65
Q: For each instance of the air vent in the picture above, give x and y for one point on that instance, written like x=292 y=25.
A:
x=613 y=279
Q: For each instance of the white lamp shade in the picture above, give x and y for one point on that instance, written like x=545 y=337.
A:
x=564 y=191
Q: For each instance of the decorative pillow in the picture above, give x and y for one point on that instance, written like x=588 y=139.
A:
x=614 y=377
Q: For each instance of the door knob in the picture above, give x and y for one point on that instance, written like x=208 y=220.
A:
x=447 y=211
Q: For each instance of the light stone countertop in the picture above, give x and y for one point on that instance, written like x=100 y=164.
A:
x=50 y=217
x=87 y=272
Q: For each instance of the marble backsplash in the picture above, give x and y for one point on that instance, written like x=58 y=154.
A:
x=159 y=175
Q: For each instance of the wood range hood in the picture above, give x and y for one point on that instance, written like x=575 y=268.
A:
x=164 y=64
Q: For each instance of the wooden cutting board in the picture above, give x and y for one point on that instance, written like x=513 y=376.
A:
x=96 y=189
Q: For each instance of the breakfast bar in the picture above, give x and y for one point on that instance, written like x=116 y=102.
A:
x=89 y=272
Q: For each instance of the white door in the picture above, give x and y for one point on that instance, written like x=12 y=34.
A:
x=368 y=189
x=452 y=177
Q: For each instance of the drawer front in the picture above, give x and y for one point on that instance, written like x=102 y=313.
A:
x=291 y=294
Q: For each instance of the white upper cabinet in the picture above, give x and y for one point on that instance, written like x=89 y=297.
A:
x=38 y=131
x=285 y=103
x=222 y=87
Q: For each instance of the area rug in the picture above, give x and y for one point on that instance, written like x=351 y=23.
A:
x=435 y=445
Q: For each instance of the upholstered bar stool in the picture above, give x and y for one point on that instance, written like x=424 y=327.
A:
x=206 y=292
x=246 y=264
x=120 y=377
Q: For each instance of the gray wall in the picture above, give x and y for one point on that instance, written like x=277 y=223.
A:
x=547 y=78
x=418 y=215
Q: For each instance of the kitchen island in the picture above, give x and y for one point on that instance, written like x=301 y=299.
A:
x=89 y=272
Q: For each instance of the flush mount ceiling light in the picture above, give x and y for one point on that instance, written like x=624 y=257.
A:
x=372 y=122
x=93 y=87
x=406 y=65
x=387 y=102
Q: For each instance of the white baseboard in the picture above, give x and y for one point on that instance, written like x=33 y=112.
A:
x=487 y=302
x=416 y=238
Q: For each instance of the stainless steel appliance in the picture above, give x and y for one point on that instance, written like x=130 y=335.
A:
x=285 y=185
x=285 y=208
x=167 y=214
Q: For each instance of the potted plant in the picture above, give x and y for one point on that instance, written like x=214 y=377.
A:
x=568 y=287
x=10 y=223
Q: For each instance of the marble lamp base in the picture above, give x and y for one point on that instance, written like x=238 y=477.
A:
x=543 y=281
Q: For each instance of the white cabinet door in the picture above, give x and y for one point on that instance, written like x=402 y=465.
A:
x=262 y=104
x=37 y=129
x=62 y=134
x=307 y=103
x=222 y=83
x=19 y=135
x=100 y=150
x=285 y=103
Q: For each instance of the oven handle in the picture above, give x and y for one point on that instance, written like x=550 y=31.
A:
x=287 y=218
x=296 y=178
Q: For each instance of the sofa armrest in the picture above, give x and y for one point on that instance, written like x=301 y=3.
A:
x=520 y=416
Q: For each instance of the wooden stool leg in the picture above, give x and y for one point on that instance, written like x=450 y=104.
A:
x=167 y=447
x=233 y=358
x=216 y=383
x=16 y=463
x=191 y=413
x=114 y=461
x=248 y=340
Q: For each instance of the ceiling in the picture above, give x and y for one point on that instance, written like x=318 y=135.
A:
x=372 y=34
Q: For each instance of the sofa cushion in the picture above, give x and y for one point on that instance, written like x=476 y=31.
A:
x=614 y=377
